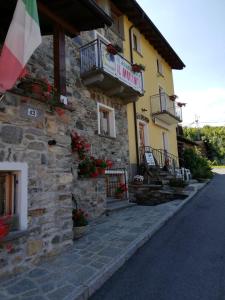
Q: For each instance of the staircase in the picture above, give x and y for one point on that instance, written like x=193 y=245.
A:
x=156 y=189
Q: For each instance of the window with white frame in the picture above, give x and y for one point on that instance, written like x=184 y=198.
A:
x=136 y=41
x=159 y=67
x=106 y=120
x=13 y=193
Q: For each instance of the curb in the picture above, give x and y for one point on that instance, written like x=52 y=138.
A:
x=95 y=283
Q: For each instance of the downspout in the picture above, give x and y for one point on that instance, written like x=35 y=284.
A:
x=134 y=103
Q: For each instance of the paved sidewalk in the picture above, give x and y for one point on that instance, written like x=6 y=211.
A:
x=77 y=273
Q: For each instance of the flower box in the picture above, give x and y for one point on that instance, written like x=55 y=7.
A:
x=111 y=49
x=138 y=68
x=79 y=231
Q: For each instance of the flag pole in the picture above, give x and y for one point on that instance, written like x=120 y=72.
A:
x=2 y=97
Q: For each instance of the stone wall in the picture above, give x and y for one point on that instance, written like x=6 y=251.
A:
x=53 y=169
x=25 y=139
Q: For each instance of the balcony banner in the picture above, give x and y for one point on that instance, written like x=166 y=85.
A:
x=120 y=68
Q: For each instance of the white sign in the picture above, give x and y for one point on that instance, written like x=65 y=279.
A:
x=64 y=100
x=149 y=158
x=32 y=112
x=118 y=67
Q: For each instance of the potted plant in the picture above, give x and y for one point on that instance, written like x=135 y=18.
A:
x=177 y=184
x=137 y=68
x=173 y=97
x=111 y=49
x=80 y=223
x=5 y=224
x=79 y=145
x=138 y=179
x=34 y=85
x=87 y=168
x=101 y=165
x=120 y=190
x=180 y=104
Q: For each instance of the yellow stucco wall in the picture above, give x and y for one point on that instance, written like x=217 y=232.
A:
x=152 y=81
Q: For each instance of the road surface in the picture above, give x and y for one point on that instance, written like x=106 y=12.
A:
x=185 y=260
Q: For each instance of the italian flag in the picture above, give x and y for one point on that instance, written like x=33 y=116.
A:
x=22 y=39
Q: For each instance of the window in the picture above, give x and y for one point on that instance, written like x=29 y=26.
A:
x=142 y=133
x=8 y=193
x=136 y=41
x=135 y=44
x=159 y=67
x=13 y=193
x=162 y=97
x=106 y=121
x=165 y=142
x=118 y=21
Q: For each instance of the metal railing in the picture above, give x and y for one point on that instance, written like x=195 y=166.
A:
x=95 y=56
x=115 y=177
x=161 y=103
x=161 y=156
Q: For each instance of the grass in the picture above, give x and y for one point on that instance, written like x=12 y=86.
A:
x=218 y=167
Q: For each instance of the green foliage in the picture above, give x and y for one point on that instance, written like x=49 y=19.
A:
x=214 y=140
x=176 y=182
x=199 y=165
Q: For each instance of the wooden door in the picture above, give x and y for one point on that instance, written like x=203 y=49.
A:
x=142 y=135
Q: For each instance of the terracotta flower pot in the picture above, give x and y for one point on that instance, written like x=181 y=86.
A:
x=101 y=171
x=111 y=49
x=37 y=89
x=138 y=182
x=4 y=230
x=79 y=231
x=119 y=195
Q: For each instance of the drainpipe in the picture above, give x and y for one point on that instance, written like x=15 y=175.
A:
x=134 y=103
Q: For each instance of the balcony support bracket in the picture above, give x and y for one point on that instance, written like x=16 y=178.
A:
x=115 y=91
x=93 y=79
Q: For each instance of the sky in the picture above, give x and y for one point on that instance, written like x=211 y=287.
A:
x=196 y=31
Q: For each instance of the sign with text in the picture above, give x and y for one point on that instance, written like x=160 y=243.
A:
x=120 y=68
x=149 y=158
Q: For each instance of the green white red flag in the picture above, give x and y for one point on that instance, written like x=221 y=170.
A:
x=22 y=39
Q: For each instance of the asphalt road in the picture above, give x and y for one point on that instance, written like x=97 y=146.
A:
x=185 y=260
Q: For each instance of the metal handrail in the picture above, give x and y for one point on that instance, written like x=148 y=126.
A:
x=161 y=103
x=162 y=157
x=91 y=59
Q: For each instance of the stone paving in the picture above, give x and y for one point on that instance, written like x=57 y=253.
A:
x=77 y=273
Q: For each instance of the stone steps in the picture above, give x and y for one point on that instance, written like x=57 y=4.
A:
x=144 y=187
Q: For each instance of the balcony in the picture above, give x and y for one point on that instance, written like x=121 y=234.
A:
x=165 y=109
x=111 y=73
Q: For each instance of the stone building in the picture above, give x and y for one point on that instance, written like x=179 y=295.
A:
x=38 y=171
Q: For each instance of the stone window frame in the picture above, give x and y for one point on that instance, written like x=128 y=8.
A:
x=22 y=205
x=112 y=121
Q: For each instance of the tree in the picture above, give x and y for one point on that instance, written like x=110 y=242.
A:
x=214 y=140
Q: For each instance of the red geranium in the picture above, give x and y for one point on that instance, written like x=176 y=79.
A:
x=4 y=226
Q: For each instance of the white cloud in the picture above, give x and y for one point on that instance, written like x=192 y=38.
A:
x=208 y=105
